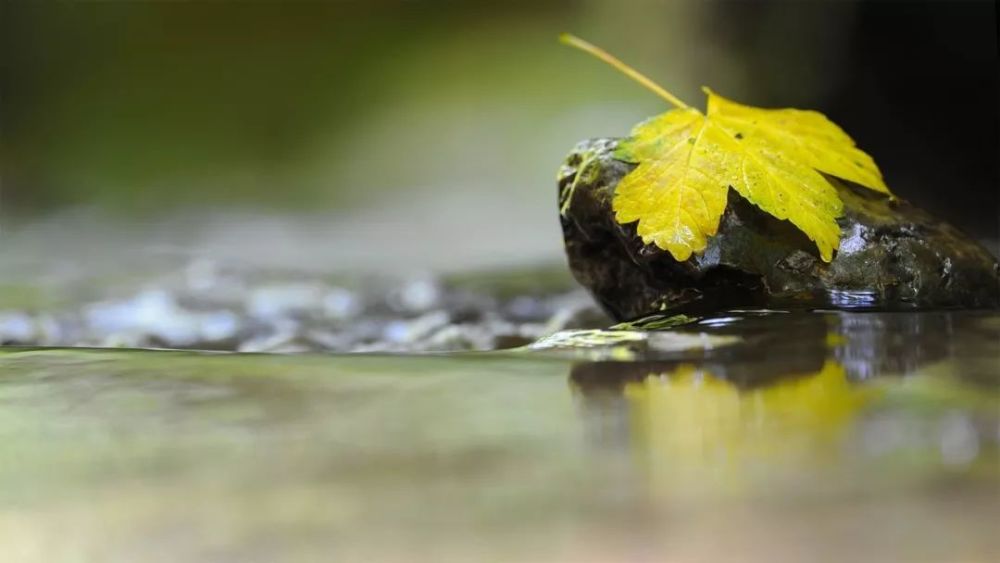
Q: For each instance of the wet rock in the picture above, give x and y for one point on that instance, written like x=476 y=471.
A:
x=410 y=331
x=341 y=304
x=287 y=300
x=416 y=296
x=892 y=255
x=286 y=341
x=153 y=317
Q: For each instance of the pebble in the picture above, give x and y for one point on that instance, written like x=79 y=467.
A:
x=209 y=307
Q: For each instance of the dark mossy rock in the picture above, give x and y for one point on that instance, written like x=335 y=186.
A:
x=892 y=255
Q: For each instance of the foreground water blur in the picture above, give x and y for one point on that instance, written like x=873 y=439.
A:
x=753 y=436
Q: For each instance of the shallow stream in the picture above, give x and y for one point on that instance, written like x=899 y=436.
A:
x=752 y=435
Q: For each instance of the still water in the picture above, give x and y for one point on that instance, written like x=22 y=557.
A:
x=752 y=436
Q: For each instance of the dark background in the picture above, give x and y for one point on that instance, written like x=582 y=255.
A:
x=919 y=93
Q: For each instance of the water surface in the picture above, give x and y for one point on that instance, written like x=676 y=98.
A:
x=749 y=436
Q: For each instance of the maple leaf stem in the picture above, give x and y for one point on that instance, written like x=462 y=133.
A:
x=574 y=41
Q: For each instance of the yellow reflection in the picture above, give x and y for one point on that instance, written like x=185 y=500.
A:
x=695 y=432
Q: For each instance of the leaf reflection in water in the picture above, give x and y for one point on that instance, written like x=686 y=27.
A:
x=693 y=429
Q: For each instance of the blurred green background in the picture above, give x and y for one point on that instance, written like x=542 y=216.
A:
x=398 y=120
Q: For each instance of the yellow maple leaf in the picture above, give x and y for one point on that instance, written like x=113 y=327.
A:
x=687 y=161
